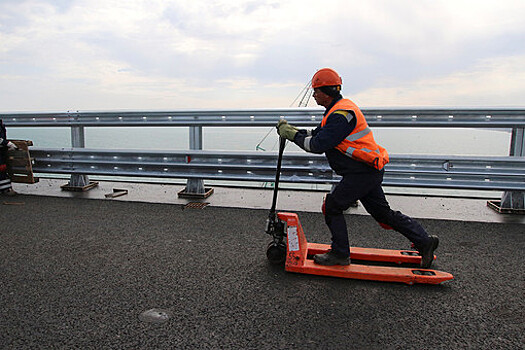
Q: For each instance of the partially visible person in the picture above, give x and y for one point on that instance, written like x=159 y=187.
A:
x=5 y=145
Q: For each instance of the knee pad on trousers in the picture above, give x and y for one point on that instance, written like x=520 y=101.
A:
x=386 y=219
x=393 y=220
x=385 y=226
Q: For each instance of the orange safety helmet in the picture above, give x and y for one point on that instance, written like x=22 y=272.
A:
x=326 y=77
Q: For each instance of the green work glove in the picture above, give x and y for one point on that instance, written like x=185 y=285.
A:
x=286 y=130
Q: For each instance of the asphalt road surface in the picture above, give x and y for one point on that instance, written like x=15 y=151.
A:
x=80 y=274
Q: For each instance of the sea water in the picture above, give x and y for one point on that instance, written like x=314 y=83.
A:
x=421 y=141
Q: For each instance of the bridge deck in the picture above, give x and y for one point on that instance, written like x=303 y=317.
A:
x=79 y=273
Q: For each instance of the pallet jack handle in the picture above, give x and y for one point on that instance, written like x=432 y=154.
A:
x=282 y=143
x=276 y=251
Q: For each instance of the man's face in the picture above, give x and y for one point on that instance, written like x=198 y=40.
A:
x=321 y=98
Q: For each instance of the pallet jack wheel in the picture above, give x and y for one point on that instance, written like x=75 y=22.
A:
x=276 y=253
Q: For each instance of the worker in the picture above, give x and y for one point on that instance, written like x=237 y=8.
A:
x=5 y=145
x=349 y=146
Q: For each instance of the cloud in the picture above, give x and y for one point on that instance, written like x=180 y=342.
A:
x=492 y=82
x=256 y=53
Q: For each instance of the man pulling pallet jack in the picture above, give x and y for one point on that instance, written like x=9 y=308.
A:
x=345 y=138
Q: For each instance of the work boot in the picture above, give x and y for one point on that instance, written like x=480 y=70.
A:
x=427 y=252
x=330 y=258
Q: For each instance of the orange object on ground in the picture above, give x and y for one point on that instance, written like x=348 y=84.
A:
x=298 y=252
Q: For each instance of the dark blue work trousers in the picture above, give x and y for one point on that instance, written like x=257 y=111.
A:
x=366 y=187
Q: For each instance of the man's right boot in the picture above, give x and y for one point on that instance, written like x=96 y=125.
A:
x=427 y=252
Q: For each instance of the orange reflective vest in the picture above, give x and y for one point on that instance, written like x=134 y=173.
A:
x=360 y=144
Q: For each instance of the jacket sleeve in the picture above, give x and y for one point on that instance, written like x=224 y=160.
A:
x=338 y=126
x=3 y=137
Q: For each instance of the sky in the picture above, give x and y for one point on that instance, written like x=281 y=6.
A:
x=59 y=55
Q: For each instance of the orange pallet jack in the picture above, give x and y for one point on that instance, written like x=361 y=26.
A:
x=297 y=252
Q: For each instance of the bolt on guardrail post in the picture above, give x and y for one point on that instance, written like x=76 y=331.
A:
x=515 y=200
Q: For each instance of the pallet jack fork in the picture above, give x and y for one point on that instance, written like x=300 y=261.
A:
x=296 y=253
x=299 y=253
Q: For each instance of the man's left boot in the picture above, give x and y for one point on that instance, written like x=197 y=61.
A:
x=330 y=258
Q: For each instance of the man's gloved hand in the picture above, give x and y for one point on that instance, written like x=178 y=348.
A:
x=286 y=130
x=281 y=122
x=11 y=146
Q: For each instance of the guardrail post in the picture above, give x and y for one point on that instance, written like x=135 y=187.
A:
x=78 y=182
x=515 y=200
x=517 y=143
x=195 y=187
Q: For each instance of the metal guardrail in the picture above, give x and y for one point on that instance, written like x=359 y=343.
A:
x=487 y=173
x=491 y=173
x=378 y=117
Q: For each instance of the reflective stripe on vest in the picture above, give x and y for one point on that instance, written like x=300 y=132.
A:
x=358 y=135
x=350 y=150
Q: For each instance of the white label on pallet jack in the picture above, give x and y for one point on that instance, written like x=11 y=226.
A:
x=293 y=240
